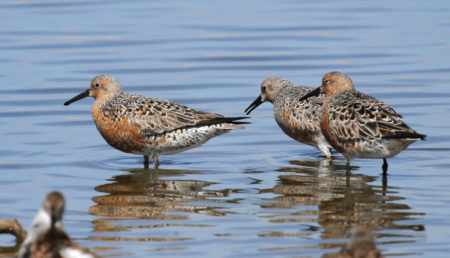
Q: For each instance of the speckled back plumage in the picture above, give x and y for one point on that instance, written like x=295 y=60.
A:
x=375 y=119
x=298 y=119
x=155 y=116
x=365 y=124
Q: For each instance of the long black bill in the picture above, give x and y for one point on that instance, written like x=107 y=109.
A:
x=312 y=93
x=254 y=105
x=82 y=95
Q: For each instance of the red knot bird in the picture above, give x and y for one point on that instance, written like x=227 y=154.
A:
x=149 y=126
x=47 y=238
x=298 y=119
x=358 y=125
x=361 y=244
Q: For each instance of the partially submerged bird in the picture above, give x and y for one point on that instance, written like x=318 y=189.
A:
x=47 y=238
x=358 y=125
x=298 y=119
x=149 y=126
x=361 y=245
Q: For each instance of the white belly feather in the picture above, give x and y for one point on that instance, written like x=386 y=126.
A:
x=181 y=140
x=384 y=148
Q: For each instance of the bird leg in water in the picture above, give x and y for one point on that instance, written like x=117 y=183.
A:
x=385 y=167
x=347 y=167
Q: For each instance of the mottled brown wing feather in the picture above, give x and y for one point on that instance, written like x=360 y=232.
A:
x=299 y=115
x=357 y=115
x=156 y=116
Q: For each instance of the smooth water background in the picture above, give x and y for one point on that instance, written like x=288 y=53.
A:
x=252 y=192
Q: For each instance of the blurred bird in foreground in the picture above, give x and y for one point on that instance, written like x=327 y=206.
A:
x=47 y=238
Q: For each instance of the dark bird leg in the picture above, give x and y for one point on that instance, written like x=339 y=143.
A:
x=385 y=167
x=155 y=160
x=146 y=161
x=347 y=167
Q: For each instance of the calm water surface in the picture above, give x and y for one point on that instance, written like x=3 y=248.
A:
x=252 y=192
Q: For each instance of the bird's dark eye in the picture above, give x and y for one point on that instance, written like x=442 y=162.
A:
x=263 y=88
x=326 y=81
x=96 y=85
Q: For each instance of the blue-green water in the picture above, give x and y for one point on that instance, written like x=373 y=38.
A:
x=252 y=192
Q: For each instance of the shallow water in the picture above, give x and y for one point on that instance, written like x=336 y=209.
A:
x=252 y=192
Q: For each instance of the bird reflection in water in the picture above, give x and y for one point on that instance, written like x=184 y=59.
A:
x=337 y=201
x=141 y=195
